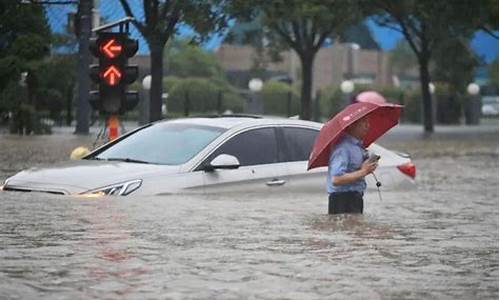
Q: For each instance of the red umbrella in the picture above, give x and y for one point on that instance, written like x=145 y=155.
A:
x=381 y=116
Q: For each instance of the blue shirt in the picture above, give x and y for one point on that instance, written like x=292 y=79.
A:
x=346 y=157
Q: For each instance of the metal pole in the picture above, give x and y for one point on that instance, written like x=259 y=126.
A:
x=83 y=78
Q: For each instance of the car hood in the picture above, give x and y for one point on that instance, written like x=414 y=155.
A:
x=79 y=176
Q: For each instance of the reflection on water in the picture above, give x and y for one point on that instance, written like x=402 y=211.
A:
x=438 y=241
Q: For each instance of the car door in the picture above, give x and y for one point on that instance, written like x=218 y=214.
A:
x=257 y=153
x=298 y=143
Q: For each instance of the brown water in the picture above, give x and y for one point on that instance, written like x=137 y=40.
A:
x=439 y=241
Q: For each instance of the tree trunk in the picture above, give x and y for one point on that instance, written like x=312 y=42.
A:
x=307 y=81
x=82 y=76
x=156 y=82
x=427 y=109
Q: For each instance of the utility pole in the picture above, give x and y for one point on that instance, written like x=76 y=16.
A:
x=83 y=78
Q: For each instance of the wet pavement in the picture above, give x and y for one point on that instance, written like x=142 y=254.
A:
x=438 y=241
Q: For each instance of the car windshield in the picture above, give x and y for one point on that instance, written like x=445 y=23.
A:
x=163 y=143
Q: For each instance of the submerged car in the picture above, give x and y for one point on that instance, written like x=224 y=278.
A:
x=203 y=155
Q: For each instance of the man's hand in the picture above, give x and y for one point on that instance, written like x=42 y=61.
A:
x=368 y=167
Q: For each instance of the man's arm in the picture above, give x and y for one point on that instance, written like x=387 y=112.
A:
x=366 y=168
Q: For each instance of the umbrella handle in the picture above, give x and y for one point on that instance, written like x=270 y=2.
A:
x=378 y=184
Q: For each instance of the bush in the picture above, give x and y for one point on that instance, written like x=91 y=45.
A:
x=275 y=97
x=412 y=111
x=200 y=95
x=25 y=120
x=52 y=101
x=331 y=101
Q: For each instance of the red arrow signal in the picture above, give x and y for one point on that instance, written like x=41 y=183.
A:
x=111 y=48
x=112 y=75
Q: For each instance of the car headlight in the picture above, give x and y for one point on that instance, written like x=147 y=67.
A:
x=3 y=184
x=119 y=189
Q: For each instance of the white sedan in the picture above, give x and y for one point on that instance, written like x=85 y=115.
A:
x=203 y=155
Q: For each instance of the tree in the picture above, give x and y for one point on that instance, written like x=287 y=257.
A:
x=485 y=16
x=302 y=25
x=195 y=74
x=183 y=59
x=454 y=63
x=24 y=41
x=160 y=23
x=201 y=95
x=493 y=73
x=425 y=24
x=402 y=58
x=50 y=84
x=24 y=38
x=359 y=34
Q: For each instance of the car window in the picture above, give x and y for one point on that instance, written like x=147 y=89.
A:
x=299 y=142
x=163 y=143
x=254 y=147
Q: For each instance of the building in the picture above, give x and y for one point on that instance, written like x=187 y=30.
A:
x=331 y=66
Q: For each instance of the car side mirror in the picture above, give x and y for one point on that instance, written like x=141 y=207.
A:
x=223 y=161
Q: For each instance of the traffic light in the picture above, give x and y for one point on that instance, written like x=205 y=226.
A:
x=113 y=74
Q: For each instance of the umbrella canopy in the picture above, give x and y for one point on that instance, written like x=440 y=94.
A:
x=381 y=116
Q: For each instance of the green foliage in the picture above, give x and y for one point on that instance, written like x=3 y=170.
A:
x=196 y=75
x=24 y=41
x=25 y=37
x=430 y=27
x=331 y=101
x=32 y=46
x=12 y=96
x=412 y=110
x=302 y=26
x=402 y=57
x=184 y=59
x=359 y=34
x=10 y=70
x=58 y=73
x=160 y=22
x=275 y=96
x=169 y=82
x=200 y=95
x=449 y=104
x=24 y=31
x=26 y=120
x=454 y=64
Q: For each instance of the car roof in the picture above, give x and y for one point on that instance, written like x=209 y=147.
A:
x=232 y=121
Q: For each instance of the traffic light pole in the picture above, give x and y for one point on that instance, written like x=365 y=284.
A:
x=83 y=79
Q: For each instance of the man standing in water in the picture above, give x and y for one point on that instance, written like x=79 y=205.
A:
x=347 y=168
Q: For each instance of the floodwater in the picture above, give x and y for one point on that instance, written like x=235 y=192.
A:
x=438 y=241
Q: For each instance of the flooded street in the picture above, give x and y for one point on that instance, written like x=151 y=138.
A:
x=437 y=241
